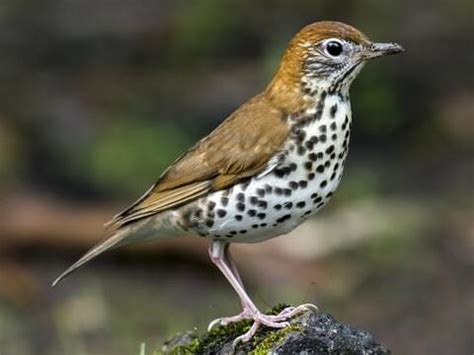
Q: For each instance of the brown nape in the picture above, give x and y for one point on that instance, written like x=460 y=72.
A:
x=285 y=88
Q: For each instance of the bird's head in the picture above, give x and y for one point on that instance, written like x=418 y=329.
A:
x=326 y=56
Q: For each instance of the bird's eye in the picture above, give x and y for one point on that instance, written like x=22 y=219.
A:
x=334 y=48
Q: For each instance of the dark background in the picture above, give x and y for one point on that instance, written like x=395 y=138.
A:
x=97 y=97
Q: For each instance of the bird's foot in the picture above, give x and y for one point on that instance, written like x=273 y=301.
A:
x=272 y=321
x=245 y=314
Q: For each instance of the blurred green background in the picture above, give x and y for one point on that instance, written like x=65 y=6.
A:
x=97 y=97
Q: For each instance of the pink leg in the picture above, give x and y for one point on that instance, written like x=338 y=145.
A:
x=230 y=261
x=217 y=253
x=246 y=313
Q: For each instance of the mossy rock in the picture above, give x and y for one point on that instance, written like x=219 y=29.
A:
x=309 y=333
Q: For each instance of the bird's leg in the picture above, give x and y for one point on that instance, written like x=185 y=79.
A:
x=230 y=261
x=245 y=314
x=220 y=255
x=217 y=253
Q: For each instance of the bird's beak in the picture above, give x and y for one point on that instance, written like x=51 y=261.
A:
x=375 y=50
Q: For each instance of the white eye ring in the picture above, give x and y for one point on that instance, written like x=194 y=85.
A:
x=333 y=47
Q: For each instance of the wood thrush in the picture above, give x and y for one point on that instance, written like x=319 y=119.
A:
x=268 y=167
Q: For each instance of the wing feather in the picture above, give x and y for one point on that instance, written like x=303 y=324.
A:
x=242 y=146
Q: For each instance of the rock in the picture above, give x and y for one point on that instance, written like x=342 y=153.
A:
x=309 y=333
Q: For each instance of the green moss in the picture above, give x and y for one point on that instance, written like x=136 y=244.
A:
x=273 y=338
x=210 y=342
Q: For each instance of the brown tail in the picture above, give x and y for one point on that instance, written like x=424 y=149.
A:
x=103 y=246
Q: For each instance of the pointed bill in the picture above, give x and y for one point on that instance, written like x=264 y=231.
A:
x=376 y=50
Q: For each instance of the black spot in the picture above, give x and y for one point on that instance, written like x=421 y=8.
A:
x=320 y=155
x=327 y=164
x=323 y=184
x=314 y=195
x=301 y=204
x=252 y=213
x=346 y=121
x=333 y=156
x=308 y=165
x=278 y=173
x=245 y=185
x=240 y=206
x=277 y=207
x=224 y=201
x=310 y=176
x=293 y=185
x=307 y=213
x=261 y=215
x=221 y=213
x=233 y=232
x=253 y=200
x=254 y=226
x=268 y=188
x=260 y=192
x=323 y=138
x=209 y=223
x=313 y=156
x=278 y=190
x=309 y=145
x=211 y=205
x=333 y=175
x=228 y=235
x=333 y=126
x=243 y=231
x=240 y=197
x=329 y=194
x=262 y=204
x=318 y=200
x=238 y=217
x=300 y=135
x=303 y=183
x=334 y=136
x=292 y=167
x=314 y=139
x=283 y=218
x=320 y=205
x=322 y=128
x=336 y=166
x=330 y=149
x=287 y=192
x=263 y=224
x=286 y=170
x=288 y=205
x=216 y=235
x=333 y=111
x=320 y=169
x=301 y=150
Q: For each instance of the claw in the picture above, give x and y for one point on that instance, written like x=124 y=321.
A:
x=245 y=314
x=271 y=321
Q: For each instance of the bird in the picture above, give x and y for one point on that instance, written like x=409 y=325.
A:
x=267 y=168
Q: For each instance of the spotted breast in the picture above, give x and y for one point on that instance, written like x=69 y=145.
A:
x=300 y=179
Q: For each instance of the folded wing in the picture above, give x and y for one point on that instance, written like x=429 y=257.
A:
x=242 y=146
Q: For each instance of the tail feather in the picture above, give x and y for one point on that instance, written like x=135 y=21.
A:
x=95 y=251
